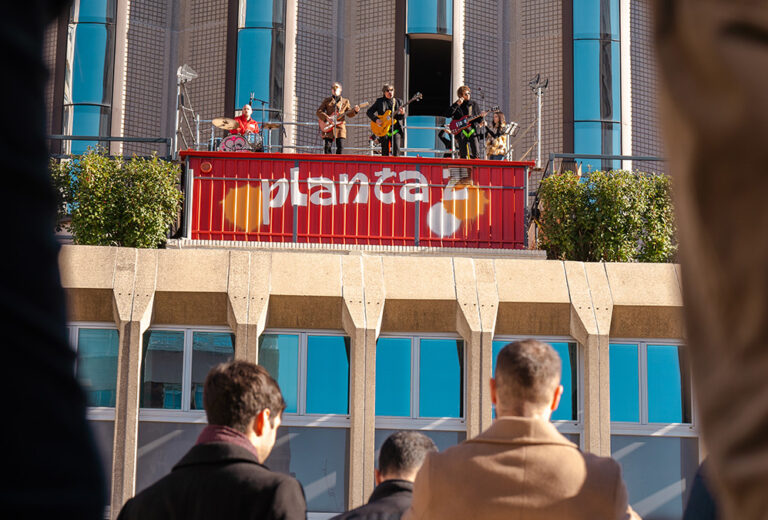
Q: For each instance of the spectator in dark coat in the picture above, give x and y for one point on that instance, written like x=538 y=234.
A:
x=400 y=459
x=223 y=476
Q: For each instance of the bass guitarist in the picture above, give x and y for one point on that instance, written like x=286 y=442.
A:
x=467 y=138
x=394 y=137
x=337 y=106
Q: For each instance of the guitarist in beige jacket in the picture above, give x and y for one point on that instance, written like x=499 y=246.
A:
x=333 y=111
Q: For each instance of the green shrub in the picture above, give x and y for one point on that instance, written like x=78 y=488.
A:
x=616 y=216
x=116 y=202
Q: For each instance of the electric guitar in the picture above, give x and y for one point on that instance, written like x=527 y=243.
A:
x=335 y=119
x=458 y=125
x=381 y=127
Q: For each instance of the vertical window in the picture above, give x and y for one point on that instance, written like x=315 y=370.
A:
x=97 y=346
x=567 y=417
x=420 y=386
x=261 y=56
x=89 y=71
x=430 y=16
x=597 y=81
x=174 y=364
x=312 y=445
x=653 y=434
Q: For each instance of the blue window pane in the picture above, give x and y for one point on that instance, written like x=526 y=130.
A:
x=421 y=137
x=319 y=459
x=161 y=446
x=590 y=22
x=586 y=80
x=441 y=377
x=568 y=408
x=208 y=350
x=85 y=120
x=279 y=354
x=104 y=438
x=328 y=375
x=625 y=389
x=97 y=365
x=596 y=138
x=263 y=13
x=658 y=472
x=669 y=398
x=91 y=68
x=442 y=439
x=254 y=51
x=94 y=11
x=162 y=366
x=430 y=16
x=393 y=377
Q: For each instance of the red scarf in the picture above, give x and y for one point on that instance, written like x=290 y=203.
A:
x=217 y=433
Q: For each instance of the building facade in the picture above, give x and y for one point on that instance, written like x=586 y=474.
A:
x=114 y=65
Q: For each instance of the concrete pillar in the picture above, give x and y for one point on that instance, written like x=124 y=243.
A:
x=238 y=299
x=373 y=296
x=119 y=78
x=488 y=301
x=258 y=302
x=626 y=81
x=457 y=48
x=468 y=327
x=134 y=292
x=289 y=80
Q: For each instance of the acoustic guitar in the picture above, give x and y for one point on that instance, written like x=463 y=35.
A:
x=335 y=119
x=458 y=125
x=384 y=122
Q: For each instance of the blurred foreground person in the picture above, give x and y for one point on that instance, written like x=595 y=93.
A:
x=401 y=456
x=51 y=468
x=521 y=467
x=713 y=60
x=223 y=475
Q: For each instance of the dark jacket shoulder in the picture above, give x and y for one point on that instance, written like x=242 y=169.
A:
x=388 y=501
x=219 y=480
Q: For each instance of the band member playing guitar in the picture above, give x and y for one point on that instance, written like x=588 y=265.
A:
x=331 y=116
x=246 y=125
x=497 y=139
x=389 y=105
x=464 y=107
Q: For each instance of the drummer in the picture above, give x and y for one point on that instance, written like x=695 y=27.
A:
x=246 y=124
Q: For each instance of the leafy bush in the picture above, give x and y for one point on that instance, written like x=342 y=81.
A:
x=116 y=202
x=616 y=216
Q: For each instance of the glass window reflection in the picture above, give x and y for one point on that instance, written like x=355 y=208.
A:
x=97 y=351
x=442 y=439
x=279 y=354
x=430 y=16
x=208 y=350
x=393 y=377
x=658 y=472
x=319 y=459
x=262 y=13
x=596 y=19
x=441 y=365
x=162 y=367
x=669 y=398
x=327 y=375
x=597 y=138
x=422 y=137
x=625 y=386
x=99 y=11
x=161 y=446
x=90 y=65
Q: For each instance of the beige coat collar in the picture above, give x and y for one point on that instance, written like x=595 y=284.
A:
x=522 y=431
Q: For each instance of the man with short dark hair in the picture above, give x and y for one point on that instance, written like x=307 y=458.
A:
x=223 y=475
x=400 y=458
x=521 y=467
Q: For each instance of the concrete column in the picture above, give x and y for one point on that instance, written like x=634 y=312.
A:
x=119 y=81
x=238 y=299
x=258 y=301
x=457 y=49
x=133 y=299
x=353 y=321
x=488 y=300
x=626 y=82
x=289 y=81
x=468 y=326
x=374 y=296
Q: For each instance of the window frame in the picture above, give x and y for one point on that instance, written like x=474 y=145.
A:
x=301 y=418
x=94 y=413
x=643 y=427
x=570 y=427
x=415 y=422
x=184 y=414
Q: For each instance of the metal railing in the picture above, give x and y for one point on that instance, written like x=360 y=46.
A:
x=167 y=141
x=600 y=157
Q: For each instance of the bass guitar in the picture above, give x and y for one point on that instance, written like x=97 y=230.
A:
x=335 y=119
x=381 y=127
x=458 y=125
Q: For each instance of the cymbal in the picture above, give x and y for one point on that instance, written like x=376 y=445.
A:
x=270 y=126
x=225 y=123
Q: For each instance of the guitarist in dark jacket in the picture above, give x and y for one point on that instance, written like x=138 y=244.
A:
x=394 y=137
x=467 y=138
x=223 y=475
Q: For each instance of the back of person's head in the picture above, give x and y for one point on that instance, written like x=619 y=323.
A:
x=527 y=375
x=237 y=391
x=403 y=453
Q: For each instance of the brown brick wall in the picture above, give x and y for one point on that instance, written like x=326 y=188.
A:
x=49 y=58
x=482 y=51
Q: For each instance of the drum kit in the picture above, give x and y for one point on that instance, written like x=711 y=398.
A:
x=249 y=142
